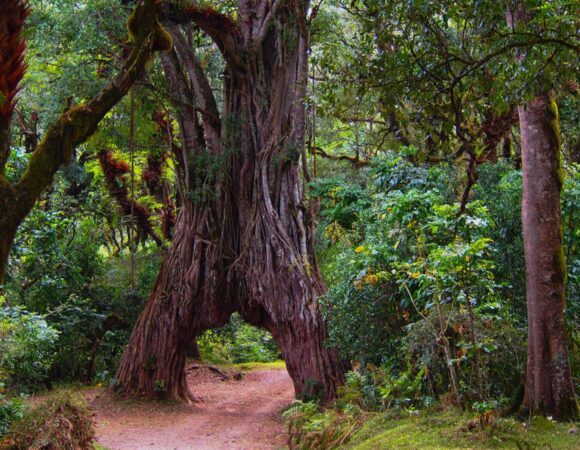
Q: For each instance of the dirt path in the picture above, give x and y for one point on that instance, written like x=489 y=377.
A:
x=233 y=414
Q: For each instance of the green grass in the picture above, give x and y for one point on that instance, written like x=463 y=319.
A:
x=280 y=364
x=449 y=431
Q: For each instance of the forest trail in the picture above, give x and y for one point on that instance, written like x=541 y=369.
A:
x=232 y=414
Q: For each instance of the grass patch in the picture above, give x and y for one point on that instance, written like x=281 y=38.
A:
x=246 y=367
x=450 y=431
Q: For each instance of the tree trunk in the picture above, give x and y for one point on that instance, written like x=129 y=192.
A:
x=6 y=237
x=259 y=244
x=191 y=294
x=193 y=350
x=549 y=387
x=7 y=227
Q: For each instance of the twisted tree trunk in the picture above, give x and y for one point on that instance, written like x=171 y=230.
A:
x=194 y=290
x=191 y=294
x=256 y=256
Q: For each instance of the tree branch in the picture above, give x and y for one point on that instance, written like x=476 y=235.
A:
x=202 y=90
x=351 y=159
x=223 y=30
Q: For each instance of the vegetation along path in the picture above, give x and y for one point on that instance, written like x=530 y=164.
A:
x=231 y=414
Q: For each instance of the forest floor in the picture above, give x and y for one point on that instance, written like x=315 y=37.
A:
x=232 y=413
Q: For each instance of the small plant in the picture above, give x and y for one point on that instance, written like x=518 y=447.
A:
x=27 y=345
x=159 y=386
x=309 y=427
x=10 y=410
x=485 y=412
x=313 y=390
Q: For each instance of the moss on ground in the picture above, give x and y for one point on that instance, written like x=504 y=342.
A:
x=451 y=430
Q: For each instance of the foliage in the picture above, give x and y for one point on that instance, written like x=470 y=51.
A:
x=571 y=232
x=499 y=187
x=439 y=76
x=340 y=201
x=412 y=277
x=10 y=410
x=309 y=428
x=59 y=268
x=237 y=342
x=27 y=349
x=62 y=421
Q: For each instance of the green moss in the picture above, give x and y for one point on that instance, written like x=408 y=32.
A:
x=451 y=430
x=554 y=121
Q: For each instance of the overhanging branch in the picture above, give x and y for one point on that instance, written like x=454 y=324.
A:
x=222 y=29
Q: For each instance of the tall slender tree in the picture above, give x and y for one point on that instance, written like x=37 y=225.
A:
x=242 y=241
x=549 y=388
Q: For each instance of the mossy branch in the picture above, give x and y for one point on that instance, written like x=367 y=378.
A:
x=76 y=124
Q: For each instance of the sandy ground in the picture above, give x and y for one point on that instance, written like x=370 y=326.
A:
x=232 y=414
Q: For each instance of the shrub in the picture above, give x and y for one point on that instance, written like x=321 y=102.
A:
x=27 y=346
x=10 y=410
x=414 y=277
x=61 y=422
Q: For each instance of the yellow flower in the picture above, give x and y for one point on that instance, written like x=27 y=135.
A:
x=359 y=249
x=371 y=279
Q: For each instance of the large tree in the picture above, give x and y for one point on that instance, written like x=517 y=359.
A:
x=242 y=239
x=76 y=123
x=549 y=388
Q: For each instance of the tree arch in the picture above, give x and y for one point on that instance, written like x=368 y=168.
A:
x=246 y=244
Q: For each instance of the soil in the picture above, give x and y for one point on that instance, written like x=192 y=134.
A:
x=231 y=414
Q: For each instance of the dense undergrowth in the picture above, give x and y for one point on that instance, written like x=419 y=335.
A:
x=429 y=305
x=445 y=429
x=349 y=423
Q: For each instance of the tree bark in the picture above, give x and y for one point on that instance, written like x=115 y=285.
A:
x=549 y=388
x=257 y=254
x=191 y=294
